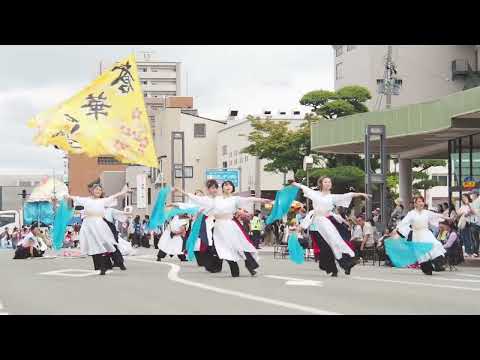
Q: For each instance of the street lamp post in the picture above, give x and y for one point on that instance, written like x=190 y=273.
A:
x=160 y=158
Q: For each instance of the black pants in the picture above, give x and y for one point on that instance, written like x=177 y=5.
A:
x=101 y=261
x=156 y=239
x=256 y=237
x=326 y=260
x=250 y=263
x=201 y=257
x=117 y=256
x=161 y=254
x=136 y=239
x=146 y=240
x=24 y=253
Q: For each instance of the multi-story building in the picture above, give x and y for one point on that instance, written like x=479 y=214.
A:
x=233 y=138
x=426 y=72
x=423 y=73
x=160 y=80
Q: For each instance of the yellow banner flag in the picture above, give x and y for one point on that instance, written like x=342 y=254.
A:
x=107 y=118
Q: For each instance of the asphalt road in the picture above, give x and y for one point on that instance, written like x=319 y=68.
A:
x=69 y=286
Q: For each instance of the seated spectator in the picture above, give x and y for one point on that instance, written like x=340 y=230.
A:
x=388 y=233
x=5 y=238
x=29 y=245
x=362 y=236
x=68 y=242
x=454 y=250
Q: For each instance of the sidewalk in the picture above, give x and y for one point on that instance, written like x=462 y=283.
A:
x=471 y=262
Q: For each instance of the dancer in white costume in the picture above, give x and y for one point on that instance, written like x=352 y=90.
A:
x=172 y=240
x=203 y=246
x=230 y=241
x=96 y=238
x=332 y=245
x=111 y=217
x=419 y=219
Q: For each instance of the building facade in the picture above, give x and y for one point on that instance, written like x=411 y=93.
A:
x=233 y=138
x=424 y=73
x=427 y=72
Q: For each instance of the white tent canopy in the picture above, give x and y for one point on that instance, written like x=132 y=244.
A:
x=49 y=188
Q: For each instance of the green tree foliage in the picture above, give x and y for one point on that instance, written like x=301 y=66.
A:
x=285 y=148
x=421 y=181
x=274 y=141
x=330 y=105
x=343 y=177
x=317 y=98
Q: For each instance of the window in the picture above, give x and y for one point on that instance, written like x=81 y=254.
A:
x=134 y=196
x=351 y=47
x=107 y=160
x=144 y=82
x=145 y=94
x=230 y=162
x=224 y=150
x=441 y=179
x=246 y=158
x=235 y=153
x=188 y=172
x=199 y=130
x=230 y=154
x=142 y=69
x=241 y=159
x=235 y=162
x=339 y=71
x=25 y=183
x=224 y=165
x=152 y=120
x=149 y=196
x=338 y=50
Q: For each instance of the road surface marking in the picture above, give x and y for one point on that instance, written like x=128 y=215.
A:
x=467 y=275
x=453 y=279
x=173 y=276
x=296 y=282
x=68 y=273
x=416 y=283
x=1 y=308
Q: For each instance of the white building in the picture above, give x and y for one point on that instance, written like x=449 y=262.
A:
x=186 y=145
x=234 y=137
x=425 y=72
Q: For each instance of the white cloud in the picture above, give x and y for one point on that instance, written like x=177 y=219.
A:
x=247 y=78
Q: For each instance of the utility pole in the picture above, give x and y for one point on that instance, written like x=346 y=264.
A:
x=258 y=187
x=388 y=80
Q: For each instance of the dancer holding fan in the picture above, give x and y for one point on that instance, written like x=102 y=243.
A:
x=424 y=248
x=332 y=245
x=229 y=240
x=96 y=238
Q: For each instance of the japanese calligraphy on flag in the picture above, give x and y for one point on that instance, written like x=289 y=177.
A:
x=106 y=118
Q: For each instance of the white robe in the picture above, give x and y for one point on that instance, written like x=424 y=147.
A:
x=172 y=245
x=229 y=240
x=419 y=222
x=323 y=206
x=95 y=235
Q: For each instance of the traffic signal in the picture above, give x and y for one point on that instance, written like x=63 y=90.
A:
x=24 y=194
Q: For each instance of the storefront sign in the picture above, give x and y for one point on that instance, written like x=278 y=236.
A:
x=141 y=191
